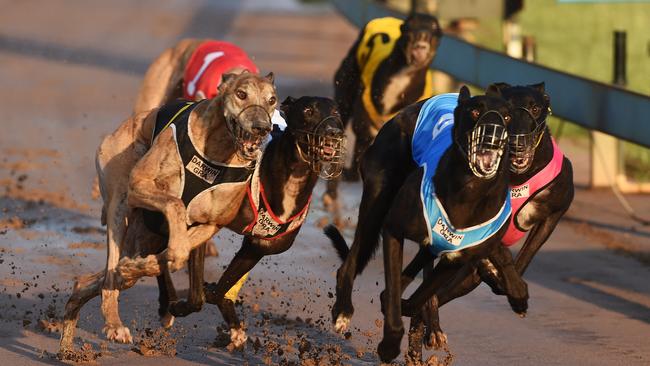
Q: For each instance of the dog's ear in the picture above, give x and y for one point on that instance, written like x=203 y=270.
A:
x=493 y=91
x=541 y=87
x=226 y=80
x=501 y=86
x=270 y=77
x=286 y=105
x=464 y=94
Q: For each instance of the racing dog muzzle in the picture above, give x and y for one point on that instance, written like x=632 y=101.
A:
x=486 y=143
x=323 y=148
x=522 y=146
x=249 y=143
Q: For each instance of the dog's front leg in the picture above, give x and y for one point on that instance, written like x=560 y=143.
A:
x=153 y=185
x=536 y=238
x=178 y=249
x=245 y=259
x=196 y=297
x=515 y=287
x=389 y=347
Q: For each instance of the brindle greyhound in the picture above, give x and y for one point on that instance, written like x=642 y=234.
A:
x=461 y=190
x=385 y=70
x=135 y=173
x=384 y=167
x=277 y=203
x=542 y=191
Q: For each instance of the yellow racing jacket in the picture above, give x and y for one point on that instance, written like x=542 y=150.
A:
x=370 y=54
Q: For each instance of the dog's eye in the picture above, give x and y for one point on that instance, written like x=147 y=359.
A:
x=535 y=109
x=309 y=112
x=475 y=114
x=507 y=118
x=272 y=100
x=241 y=94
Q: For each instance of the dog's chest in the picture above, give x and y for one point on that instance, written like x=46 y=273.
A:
x=291 y=189
x=533 y=211
x=217 y=206
x=395 y=89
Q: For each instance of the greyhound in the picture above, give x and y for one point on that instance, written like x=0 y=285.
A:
x=541 y=180
x=385 y=70
x=192 y=70
x=274 y=209
x=384 y=167
x=456 y=204
x=199 y=154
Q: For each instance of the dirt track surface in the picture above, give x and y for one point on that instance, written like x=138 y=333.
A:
x=70 y=72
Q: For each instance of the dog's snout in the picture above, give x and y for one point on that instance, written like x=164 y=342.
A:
x=261 y=128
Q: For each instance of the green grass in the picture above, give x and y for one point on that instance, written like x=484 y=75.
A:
x=578 y=38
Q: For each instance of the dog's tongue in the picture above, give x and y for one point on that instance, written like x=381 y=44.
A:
x=487 y=160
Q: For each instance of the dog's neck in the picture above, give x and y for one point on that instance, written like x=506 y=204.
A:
x=467 y=199
x=542 y=157
x=211 y=135
x=287 y=179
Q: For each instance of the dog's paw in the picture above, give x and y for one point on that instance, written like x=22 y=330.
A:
x=518 y=298
x=167 y=320
x=388 y=350
x=119 y=334
x=435 y=340
x=238 y=338
x=342 y=323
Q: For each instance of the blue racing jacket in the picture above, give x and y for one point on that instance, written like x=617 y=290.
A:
x=431 y=138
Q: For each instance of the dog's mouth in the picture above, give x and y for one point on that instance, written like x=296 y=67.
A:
x=323 y=148
x=520 y=163
x=486 y=147
x=248 y=144
x=488 y=161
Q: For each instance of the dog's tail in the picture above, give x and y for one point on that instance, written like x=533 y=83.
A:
x=338 y=242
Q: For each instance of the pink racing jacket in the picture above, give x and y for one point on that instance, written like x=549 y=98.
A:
x=208 y=62
x=519 y=195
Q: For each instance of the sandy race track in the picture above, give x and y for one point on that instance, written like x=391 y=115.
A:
x=70 y=72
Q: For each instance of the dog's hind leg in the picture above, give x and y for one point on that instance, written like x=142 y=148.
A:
x=84 y=289
x=166 y=295
x=116 y=233
x=245 y=259
x=389 y=347
x=196 y=297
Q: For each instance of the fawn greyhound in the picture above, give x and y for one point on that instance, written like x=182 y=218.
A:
x=272 y=212
x=179 y=160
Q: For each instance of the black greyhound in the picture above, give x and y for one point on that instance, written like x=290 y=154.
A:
x=384 y=167
x=462 y=183
x=542 y=180
x=277 y=204
x=385 y=70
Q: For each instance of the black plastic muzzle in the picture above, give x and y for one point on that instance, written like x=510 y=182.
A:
x=323 y=148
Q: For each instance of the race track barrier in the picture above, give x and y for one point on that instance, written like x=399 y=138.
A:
x=588 y=103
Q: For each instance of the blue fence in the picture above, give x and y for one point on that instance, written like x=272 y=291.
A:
x=594 y=105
